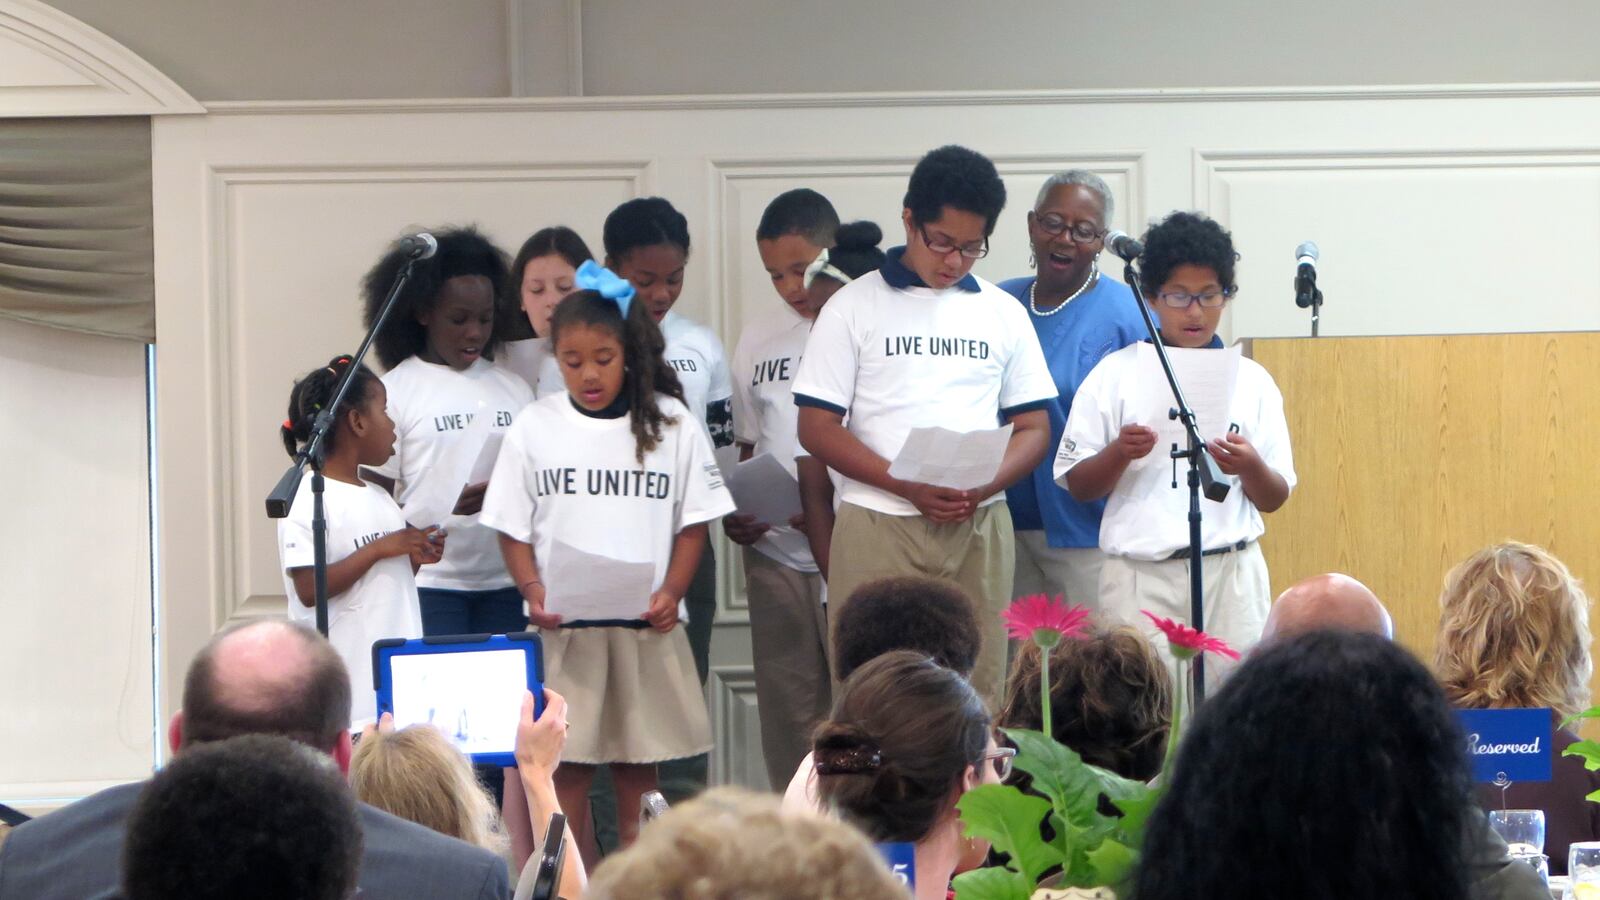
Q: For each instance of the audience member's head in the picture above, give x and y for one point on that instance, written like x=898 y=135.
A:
x=730 y=843
x=1514 y=632
x=257 y=816
x=925 y=615
x=266 y=677
x=1329 y=766
x=906 y=738
x=417 y=774
x=1110 y=699
x=1327 y=601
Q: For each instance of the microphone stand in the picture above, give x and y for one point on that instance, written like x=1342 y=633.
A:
x=1203 y=471
x=314 y=454
x=1308 y=294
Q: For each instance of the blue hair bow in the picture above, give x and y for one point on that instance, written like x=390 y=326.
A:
x=594 y=277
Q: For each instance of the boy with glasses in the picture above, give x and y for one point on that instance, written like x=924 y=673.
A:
x=923 y=342
x=1188 y=268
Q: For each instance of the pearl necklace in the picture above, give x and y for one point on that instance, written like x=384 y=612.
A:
x=1094 y=276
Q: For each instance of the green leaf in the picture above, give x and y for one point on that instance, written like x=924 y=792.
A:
x=1009 y=820
x=1593 y=795
x=1113 y=864
x=1592 y=712
x=1060 y=774
x=1589 y=751
x=1136 y=809
x=992 y=884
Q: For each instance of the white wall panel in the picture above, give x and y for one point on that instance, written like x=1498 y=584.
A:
x=75 y=637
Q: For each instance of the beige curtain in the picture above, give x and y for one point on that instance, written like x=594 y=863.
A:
x=75 y=225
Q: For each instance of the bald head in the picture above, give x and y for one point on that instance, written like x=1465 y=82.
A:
x=267 y=677
x=1330 y=601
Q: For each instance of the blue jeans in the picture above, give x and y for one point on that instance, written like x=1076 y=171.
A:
x=498 y=611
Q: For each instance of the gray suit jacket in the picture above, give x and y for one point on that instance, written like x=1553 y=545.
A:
x=76 y=853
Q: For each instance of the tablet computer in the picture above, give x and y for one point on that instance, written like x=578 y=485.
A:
x=468 y=686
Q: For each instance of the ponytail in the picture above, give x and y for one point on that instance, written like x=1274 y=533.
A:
x=315 y=391
x=645 y=373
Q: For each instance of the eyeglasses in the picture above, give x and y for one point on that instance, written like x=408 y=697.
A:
x=941 y=248
x=1207 y=300
x=1080 y=232
x=1003 y=758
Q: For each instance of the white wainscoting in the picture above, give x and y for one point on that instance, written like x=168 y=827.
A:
x=1423 y=200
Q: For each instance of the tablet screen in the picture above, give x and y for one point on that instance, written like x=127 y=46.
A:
x=474 y=697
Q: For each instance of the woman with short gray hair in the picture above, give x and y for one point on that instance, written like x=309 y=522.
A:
x=1080 y=315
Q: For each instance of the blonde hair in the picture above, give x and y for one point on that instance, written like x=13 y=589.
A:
x=417 y=774
x=731 y=843
x=1514 y=632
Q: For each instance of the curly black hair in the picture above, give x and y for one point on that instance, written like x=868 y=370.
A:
x=907 y=612
x=315 y=391
x=855 y=250
x=256 y=816
x=1186 y=238
x=644 y=222
x=958 y=177
x=801 y=211
x=462 y=251
x=1329 y=766
x=645 y=371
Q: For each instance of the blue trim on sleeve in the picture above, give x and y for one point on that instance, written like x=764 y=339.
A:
x=808 y=400
x=1010 y=411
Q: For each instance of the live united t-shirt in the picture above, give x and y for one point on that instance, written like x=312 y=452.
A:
x=695 y=353
x=381 y=604
x=895 y=355
x=432 y=407
x=765 y=417
x=535 y=363
x=563 y=475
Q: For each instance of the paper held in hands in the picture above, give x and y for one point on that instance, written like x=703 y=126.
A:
x=469 y=459
x=763 y=488
x=583 y=586
x=1207 y=378
x=952 y=459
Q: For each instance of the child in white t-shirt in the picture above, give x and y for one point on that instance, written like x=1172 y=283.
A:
x=373 y=555
x=647 y=242
x=1188 y=269
x=541 y=275
x=444 y=390
x=615 y=468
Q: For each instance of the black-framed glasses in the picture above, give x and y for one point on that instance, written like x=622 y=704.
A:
x=1081 y=232
x=942 y=248
x=1207 y=300
x=1003 y=757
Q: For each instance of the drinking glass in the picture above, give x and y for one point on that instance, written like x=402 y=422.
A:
x=1523 y=829
x=1583 y=870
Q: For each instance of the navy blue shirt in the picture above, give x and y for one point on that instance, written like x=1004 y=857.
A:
x=1101 y=321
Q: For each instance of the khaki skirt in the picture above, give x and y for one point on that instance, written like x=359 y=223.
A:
x=632 y=694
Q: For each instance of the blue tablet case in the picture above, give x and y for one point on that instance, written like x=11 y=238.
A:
x=385 y=650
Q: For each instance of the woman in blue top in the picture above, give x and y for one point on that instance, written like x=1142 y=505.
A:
x=1080 y=315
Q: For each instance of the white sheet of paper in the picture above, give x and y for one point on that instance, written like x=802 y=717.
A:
x=434 y=498
x=952 y=459
x=581 y=585
x=484 y=466
x=764 y=488
x=1207 y=378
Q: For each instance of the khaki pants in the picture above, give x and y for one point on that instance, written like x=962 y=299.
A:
x=1235 y=589
x=789 y=644
x=977 y=555
x=1043 y=569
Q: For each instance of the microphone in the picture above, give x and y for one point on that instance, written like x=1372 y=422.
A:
x=1305 y=278
x=1125 y=248
x=419 y=246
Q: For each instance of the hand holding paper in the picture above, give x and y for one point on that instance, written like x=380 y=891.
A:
x=581 y=585
x=1207 y=378
x=764 y=489
x=951 y=459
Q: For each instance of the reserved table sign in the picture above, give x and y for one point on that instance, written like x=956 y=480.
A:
x=1508 y=745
